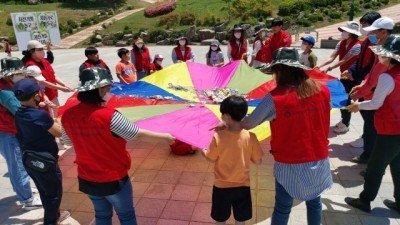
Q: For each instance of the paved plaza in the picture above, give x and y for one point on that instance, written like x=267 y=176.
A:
x=176 y=190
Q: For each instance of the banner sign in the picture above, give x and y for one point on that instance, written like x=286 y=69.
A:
x=41 y=26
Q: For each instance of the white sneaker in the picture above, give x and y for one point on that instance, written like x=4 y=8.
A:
x=341 y=128
x=338 y=124
x=35 y=203
x=359 y=143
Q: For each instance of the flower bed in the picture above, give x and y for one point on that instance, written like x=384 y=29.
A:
x=160 y=9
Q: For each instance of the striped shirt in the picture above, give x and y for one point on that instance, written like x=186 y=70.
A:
x=355 y=50
x=303 y=181
x=120 y=126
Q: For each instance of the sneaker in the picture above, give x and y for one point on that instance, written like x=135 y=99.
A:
x=391 y=205
x=340 y=128
x=359 y=143
x=357 y=203
x=35 y=203
x=64 y=214
x=338 y=124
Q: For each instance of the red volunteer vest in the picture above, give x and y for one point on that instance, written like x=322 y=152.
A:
x=299 y=134
x=261 y=55
x=153 y=67
x=276 y=41
x=387 y=117
x=48 y=74
x=7 y=123
x=142 y=60
x=101 y=157
x=90 y=64
x=179 y=56
x=366 y=55
x=343 y=51
x=238 y=53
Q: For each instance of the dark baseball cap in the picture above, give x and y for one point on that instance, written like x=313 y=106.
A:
x=25 y=88
x=276 y=22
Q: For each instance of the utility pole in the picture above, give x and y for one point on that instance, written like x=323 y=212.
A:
x=351 y=13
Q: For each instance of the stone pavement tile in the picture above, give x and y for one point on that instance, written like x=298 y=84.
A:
x=136 y=162
x=265 y=169
x=67 y=160
x=139 y=152
x=139 y=188
x=175 y=164
x=74 y=188
x=386 y=190
x=192 y=178
x=68 y=183
x=7 y=210
x=148 y=207
x=72 y=200
x=167 y=177
x=197 y=166
x=22 y=216
x=146 y=220
x=205 y=194
x=7 y=196
x=202 y=213
x=336 y=189
x=152 y=164
x=199 y=223
x=185 y=192
x=336 y=204
x=387 y=177
x=299 y=217
x=172 y=222
x=69 y=171
x=266 y=182
x=85 y=206
x=380 y=210
x=209 y=179
x=349 y=173
x=159 y=154
x=142 y=175
x=341 y=219
x=263 y=215
x=353 y=187
x=178 y=210
x=159 y=191
x=83 y=218
x=265 y=198
x=373 y=220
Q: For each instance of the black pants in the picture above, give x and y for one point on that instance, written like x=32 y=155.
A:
x=369 y=132
x=346 y=114
x=386 y=152
x=49 y=185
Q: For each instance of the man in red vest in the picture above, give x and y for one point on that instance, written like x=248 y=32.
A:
x=93 y=60
x=278 y=39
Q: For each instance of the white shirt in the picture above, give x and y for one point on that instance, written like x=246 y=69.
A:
x=384 y=87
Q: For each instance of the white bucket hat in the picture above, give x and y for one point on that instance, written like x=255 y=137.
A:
x=351 y=27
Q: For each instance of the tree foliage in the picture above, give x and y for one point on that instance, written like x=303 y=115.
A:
x=251 y=8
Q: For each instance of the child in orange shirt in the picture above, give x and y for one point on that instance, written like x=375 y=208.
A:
x=126 y=71
x=232 y=149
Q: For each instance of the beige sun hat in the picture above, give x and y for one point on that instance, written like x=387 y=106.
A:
x=36 y=73
x=351 y=27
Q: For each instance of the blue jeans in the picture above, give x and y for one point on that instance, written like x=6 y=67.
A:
x=9 y=149
x=283 y=206
x=122 y=202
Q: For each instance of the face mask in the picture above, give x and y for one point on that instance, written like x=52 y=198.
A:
x=16 y=78
x=263 y=33
x=237 y=35
x=159 y=62
x=373 y=39
x=345 y=35
x=107 y=97
x=303 y=47
x=139 y=45
x=383 y=59
x=214 y=48
x=363 y=32
x=182 y=42
x=40 y=54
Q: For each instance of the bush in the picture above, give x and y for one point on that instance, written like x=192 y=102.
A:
x=160 y=9
x=127 y=30
x=72 y=24
x=86 y=22
x=335 y=15
x=187 y=18
x=9 y=21
x=155 y=33
x=129 y=7
x=168 y=20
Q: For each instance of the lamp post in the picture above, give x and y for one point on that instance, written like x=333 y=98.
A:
x=351 y=13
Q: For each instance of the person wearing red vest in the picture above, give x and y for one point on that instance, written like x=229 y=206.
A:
x=259 y=55
x=140 y=57
x=157 y=63
x=7 y=47
x=35 y=57
x=238 y=44
x=9 y=146
x=278 y=39
x=93 y=60
x=99 y=135
x=348 y=50
x=386 y=151
x=299 y=113
x=182 y=52
x=357 y=72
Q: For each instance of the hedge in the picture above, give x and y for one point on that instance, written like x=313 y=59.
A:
x=160 y=9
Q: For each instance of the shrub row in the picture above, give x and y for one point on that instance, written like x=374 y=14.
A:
x=160 y=9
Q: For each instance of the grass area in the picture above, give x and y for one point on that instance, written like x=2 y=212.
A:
x=65 y=11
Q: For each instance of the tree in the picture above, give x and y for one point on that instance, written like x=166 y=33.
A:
x=228 y=2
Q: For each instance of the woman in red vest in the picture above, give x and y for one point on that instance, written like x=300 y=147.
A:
x=182 y=52
x=259 y=55
x=238 y=44
x=99 y=135
x=348 y=50
x=299 y=113
x=35 y=57
x=140 y=57
x=386 y=151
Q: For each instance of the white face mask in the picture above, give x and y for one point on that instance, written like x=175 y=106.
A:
x=139 y=45
x=107 y=97
x=303 y=47
x=383 y=59
x=16 y=78
x=40 y=54
x=263 y=33
x=345 y=35
x=238 y=35
x=182 y=42
x=214 y=48
x=363 y=32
